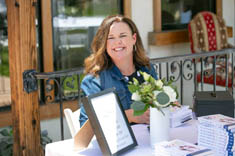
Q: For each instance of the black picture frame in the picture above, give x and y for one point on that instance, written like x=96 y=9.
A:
x=109 y=122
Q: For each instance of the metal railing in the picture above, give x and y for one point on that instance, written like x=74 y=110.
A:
x=64 y=85
x=197 y=68
x=184 y=70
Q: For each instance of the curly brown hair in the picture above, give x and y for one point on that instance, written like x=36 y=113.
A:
x=99 y=60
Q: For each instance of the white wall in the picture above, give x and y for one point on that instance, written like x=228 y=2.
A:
x=228 y=15
x=52 y=126
x=142 y=11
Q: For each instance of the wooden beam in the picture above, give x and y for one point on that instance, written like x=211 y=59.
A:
x=47 y=38
x=230 y=31
x=219 y=8
x=21 y=15
x=172 y=37
x=167 y=37
x=47 y=41
x=5 y=119
x=127 y=8
x=157 y=16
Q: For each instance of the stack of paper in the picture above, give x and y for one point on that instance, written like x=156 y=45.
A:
x=217 y=133
x=180 y=148
x=179 y=115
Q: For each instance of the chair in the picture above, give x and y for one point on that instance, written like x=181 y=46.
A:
x=72 y=119
x=207 y=33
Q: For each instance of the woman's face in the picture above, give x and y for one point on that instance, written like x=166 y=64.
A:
x=120 y=42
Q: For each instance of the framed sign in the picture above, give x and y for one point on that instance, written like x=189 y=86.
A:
x=109 y=122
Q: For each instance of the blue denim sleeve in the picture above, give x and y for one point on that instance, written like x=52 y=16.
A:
x=153 y=72
x=90 y=85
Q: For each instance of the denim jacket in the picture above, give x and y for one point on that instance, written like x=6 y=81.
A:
x=107 y=79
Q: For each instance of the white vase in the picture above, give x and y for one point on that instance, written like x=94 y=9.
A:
x=159 y=125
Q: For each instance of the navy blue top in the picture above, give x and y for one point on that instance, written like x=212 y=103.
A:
x=108 y=79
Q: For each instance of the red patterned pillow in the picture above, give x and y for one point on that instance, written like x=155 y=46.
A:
x=207 y=32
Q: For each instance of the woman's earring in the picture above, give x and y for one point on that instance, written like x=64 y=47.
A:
x=134 y=47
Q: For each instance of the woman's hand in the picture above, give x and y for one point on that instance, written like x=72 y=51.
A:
x=138 y=119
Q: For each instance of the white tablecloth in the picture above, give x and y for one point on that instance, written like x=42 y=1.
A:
x=187 y=132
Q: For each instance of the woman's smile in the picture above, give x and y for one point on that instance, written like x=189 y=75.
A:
x=119 y=49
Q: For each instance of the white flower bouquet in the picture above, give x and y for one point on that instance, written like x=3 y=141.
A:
x=152 y=93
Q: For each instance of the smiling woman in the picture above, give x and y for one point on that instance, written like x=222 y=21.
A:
x=117 y=56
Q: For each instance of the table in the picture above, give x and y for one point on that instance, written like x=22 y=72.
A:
x=186 y=132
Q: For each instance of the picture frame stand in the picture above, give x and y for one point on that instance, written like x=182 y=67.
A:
x=83 y=136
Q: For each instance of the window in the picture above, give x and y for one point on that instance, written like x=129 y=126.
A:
x=75 y=23
x=166 y=32
x=5 y=98
x=176 y=14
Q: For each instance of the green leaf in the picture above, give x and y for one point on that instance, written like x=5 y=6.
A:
x=6 y=149
x=170 y=82
x=138 y=105
x=164 y=81
x=146 y=88
x=3 y=145
x=133 y=88
x=152 y=80
x=4 y=132
x=135 y=81
x=140 y=112
x=162 y=98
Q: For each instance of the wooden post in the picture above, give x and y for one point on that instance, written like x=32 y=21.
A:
x=219 y=8
x=23 y=56
x=127 y=8
x=47 y=42
x=157 y=16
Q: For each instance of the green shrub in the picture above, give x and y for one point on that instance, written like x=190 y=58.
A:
x=6 y=141
x=4 y=61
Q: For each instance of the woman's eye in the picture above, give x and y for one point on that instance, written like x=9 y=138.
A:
x=123 y=36
x=110 y=38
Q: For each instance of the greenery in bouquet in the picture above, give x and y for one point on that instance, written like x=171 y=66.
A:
x=152 y=93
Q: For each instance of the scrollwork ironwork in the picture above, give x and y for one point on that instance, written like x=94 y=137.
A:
x=188 y=64
x=173 y=69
